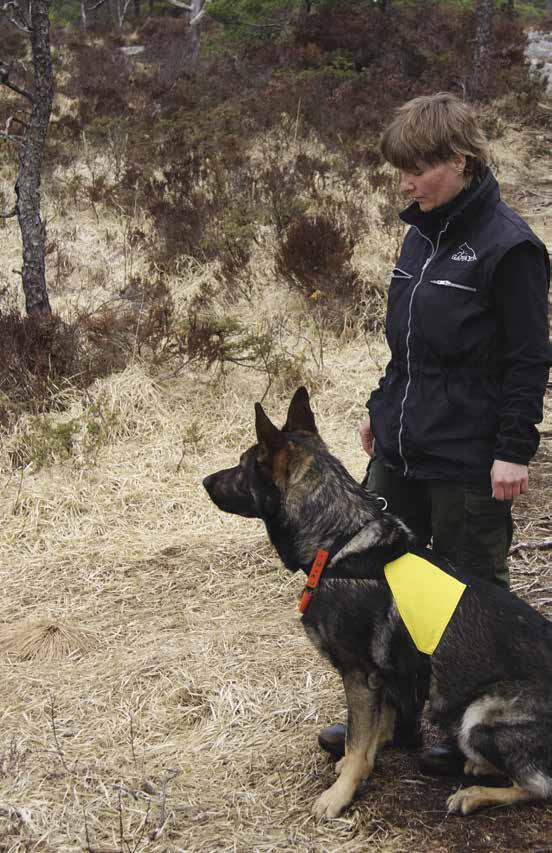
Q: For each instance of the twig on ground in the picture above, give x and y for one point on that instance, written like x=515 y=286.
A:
x=16 y=502
x=121 y=822
x=181 y=460
x=59 y=750
x=132 y=739
x=157 y=832
x=542 y=545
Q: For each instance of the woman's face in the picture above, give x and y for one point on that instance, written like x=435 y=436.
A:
x=433 y=186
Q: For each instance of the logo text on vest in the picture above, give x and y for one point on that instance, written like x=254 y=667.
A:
x=464 y=253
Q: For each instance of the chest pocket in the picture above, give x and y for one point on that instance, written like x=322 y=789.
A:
x=445 y=282
x=400 y=273
x=448 y=313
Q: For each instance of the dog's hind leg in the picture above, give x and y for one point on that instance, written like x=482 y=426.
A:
x=503 y=733
x=468 y=800
x=368 y=725
x=479 y=766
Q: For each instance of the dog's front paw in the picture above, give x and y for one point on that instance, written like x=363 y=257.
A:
x=465 y=801
x=331 y=803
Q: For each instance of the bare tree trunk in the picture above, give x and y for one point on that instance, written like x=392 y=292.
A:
x=196 y=10
x=27 y=188
x=196 y=14
x=483 y=13
x=304 y=11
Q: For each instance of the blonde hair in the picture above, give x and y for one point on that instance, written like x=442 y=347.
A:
x=430 y=130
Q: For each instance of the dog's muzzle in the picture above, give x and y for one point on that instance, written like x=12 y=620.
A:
x=208 y=482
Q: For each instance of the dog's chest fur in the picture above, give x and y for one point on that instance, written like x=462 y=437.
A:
x=356 y=625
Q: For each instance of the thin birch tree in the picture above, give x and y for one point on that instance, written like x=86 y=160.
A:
x=28 y=129
x=483 y=15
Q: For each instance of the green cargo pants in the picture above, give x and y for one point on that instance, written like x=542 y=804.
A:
x=467 y=525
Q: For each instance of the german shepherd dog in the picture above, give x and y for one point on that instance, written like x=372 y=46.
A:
x=491 y=673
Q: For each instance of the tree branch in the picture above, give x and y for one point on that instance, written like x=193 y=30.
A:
x=237 y=21
x=5 y=71
x=197 y=18
x=96 y=6
x=8 y=214
x=543 y=545
x=181 y=5
x=18 y=120
x=5 y=134
x=22 y=24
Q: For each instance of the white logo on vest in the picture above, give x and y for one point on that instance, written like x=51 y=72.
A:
x=464 y=253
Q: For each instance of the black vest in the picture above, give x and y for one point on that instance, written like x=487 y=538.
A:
x=435 y=414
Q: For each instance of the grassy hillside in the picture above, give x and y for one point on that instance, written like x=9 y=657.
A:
x=214 y=239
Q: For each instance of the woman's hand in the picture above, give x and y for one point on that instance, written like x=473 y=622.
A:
x=366 y=437
x=508 y=480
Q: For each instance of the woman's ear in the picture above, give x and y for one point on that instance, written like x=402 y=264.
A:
x=459 y=163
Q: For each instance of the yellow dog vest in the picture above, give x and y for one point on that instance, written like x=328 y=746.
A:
x=426 y=598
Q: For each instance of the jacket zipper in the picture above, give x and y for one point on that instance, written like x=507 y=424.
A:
x=445 y=283
x=434 y=250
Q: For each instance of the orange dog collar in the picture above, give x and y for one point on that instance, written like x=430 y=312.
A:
x=313 y=579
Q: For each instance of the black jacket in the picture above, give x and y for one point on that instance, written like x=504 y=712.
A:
x=467 y=325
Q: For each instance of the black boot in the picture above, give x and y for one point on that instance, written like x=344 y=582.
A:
x=408 y=732
x=444 y=759
x=332 y=740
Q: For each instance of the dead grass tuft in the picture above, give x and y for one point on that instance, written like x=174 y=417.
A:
x=45 y=640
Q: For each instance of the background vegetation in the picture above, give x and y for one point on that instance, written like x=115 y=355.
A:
x=264 y=150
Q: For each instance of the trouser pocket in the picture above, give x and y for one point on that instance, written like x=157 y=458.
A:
x=472 y=529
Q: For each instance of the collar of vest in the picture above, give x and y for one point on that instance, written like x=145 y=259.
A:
x=460 y=209
x=367 y=565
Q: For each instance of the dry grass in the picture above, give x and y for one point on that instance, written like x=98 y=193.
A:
x=44 y=640
x=157 y=692
x=190 y=722
x=199 y=663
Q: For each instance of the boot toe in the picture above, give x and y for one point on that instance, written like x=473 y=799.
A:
x=332 y=740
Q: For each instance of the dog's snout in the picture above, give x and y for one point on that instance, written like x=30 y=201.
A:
x=208 y=482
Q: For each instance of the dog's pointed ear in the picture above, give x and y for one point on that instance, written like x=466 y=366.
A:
x=268 y=435
x=300 y=417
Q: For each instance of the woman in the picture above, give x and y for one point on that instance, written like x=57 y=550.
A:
x=452 y=424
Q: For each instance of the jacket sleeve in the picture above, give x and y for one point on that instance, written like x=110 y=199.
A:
x=520 y=286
